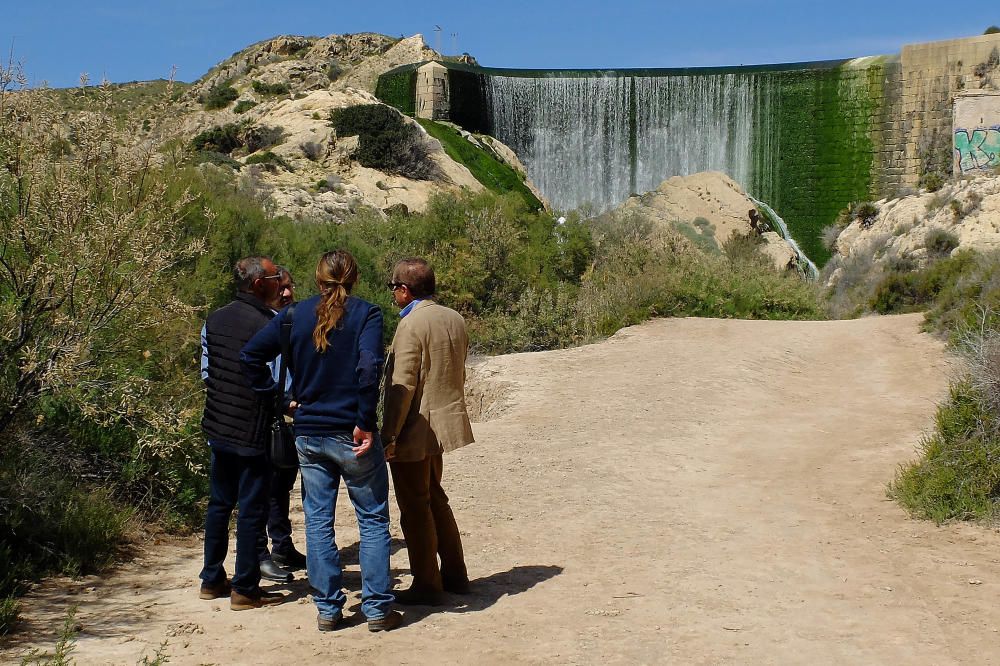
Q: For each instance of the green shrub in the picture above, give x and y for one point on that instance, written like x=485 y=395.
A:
x=244 y=105
x=212 y=157
x=909 y=291
x=932 y=181
x=992 y=30
x=866 y=213
x=243 y=135
x=940 y=242
x=701 y=233
x=220 y=139
x=269 y=160
x=219 y=96
x=958 y=473
x=270 y=88
x=385 y=141
x=334 y=71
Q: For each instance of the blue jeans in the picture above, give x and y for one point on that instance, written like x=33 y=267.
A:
x=323 y=461
x=235 y=480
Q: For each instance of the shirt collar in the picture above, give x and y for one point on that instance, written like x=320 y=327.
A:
x=405 y=311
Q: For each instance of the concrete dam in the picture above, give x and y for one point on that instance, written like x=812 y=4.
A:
x=807 y=138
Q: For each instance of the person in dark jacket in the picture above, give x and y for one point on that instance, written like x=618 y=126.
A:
x=275 y=562
x=236 y=423
x=336 y=357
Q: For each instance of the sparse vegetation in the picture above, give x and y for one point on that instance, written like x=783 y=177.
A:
x=268 y=160
x=932 y=181
x=385 y=141
x=312 y=150
x=242 y=136
x=244 y=105
x=270 y=89
x=219 y=97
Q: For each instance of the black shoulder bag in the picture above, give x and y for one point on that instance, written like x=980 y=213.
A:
x=281 y=446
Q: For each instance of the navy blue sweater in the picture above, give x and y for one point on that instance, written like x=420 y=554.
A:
x=336 y=390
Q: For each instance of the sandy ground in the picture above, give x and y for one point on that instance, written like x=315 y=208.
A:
x=690 y=491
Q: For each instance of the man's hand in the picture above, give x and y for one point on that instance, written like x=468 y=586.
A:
x=390 y=452
x=292 y=406
x=363 y=441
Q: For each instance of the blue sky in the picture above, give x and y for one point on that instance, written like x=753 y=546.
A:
x=140 y=40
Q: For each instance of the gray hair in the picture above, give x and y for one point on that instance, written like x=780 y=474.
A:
x=247 y=270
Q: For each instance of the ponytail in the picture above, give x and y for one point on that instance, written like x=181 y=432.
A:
x=336 y=274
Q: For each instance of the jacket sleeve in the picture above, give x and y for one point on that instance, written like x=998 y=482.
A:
x=401 y=381
x=369 y=369
x=255 y=355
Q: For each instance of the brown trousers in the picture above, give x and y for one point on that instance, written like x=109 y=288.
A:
x=428 y=525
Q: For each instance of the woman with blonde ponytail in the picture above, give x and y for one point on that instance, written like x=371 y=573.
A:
x=336 y=361
x=336 y=274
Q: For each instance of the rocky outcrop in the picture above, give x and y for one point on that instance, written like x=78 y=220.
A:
x=708 y=207
x=289 y=85
x=962 y=214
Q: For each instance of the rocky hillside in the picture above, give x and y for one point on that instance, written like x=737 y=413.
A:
x=266 y=112
x=914 y=229
x=708 y=208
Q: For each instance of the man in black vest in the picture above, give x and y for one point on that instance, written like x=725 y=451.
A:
x=236 y=424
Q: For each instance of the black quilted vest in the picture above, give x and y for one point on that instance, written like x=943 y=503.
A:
x=234 y=413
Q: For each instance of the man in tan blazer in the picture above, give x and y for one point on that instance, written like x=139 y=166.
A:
x=424 y=415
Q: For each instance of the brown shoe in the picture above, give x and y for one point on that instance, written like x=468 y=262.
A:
x=217 y=591
x=329 y=623
x=415 y=596
x=387 y=622
x=256 y=599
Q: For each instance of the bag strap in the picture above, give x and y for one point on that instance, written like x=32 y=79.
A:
x=286 y=356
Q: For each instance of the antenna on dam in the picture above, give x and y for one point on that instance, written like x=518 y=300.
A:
x=437 y=38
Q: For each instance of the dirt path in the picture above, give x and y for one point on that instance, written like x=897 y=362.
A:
x=690 y=491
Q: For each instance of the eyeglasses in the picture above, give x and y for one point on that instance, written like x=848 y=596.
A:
x=276 y=276
x=393 y=286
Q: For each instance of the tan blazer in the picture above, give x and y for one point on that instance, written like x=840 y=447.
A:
x=424 y=411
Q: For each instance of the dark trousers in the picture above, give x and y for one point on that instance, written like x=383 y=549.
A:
x=243 y=481
x=279 y=527
x=428 y=525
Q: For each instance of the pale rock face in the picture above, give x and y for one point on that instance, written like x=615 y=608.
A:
x=365 y=74
x=716 y=197
x=306 y=121
x=902 y=225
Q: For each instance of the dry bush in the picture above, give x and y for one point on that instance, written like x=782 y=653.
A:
x=88 y=237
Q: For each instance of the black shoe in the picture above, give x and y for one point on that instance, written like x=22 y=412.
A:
x=293 y=559
x=271 y=571
x=457 y=586
x=387 y=622
x=418 y=597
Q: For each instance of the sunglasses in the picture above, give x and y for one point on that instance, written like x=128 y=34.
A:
x=393 y=286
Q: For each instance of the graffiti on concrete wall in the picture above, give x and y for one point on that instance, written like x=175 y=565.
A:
x=977 y=149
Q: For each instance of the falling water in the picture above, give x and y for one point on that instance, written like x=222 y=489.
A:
x=808 y=267
x=598 y=139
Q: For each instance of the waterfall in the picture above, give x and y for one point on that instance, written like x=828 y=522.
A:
x=809 y=268
x=598 y=139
